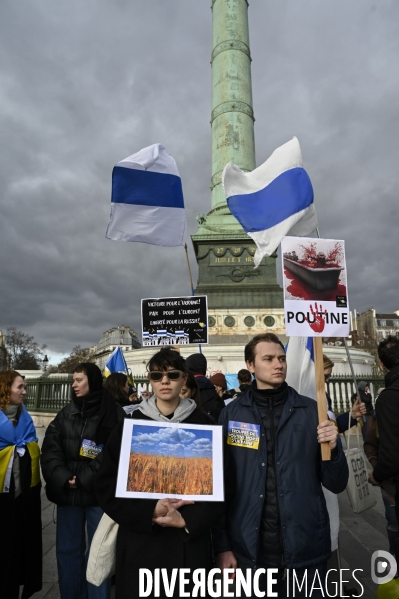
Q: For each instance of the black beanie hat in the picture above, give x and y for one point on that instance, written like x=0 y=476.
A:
x=196 y=363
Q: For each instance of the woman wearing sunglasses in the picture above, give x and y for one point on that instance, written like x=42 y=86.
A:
x=165 y=533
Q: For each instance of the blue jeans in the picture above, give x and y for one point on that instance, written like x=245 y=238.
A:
x=392 y=525
x=72 y=553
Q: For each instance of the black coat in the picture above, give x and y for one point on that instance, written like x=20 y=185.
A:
x=142 y=544
x=365 y=398
x=300 y=472
x=387 y=412
x=211 y=402
x=21 y=533
x=61 y=461
x=270 y=405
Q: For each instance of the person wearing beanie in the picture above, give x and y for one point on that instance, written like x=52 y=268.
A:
x=71 y=456
x=365 y=396
x=219 y=380
x=211 y=403
x=367 y=401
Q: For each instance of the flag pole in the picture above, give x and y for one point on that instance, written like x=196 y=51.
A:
x=349 y=357
x=189 y=269
x=353 y=375
x=321 y=392
x=191 y=283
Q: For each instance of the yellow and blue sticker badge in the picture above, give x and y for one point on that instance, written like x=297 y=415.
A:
x=243 y=434
x=89 y=449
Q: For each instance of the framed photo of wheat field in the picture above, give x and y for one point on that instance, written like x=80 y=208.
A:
x=169 y=459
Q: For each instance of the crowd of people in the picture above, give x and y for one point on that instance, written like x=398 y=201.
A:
x=275 y=512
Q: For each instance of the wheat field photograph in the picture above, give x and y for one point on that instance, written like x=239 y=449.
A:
x=171 y=461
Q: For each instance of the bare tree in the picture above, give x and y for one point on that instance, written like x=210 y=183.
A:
x=23 y=351
x=52 y=369
x=78 y=355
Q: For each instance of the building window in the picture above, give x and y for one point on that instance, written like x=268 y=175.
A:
x=383 y=323
x=249 y=321
x=269 y=321
x=229 y=321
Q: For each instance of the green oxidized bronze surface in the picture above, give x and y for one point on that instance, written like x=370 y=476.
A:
x=223 y=250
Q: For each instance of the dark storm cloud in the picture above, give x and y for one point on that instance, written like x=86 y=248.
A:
x=85 y=84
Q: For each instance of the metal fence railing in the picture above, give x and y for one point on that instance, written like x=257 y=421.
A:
x=48 y=395
x=51 y=394
x=341 y=389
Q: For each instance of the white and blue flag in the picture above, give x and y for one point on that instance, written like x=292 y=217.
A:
x=300 y=366
x=301 y=376
x=147 y=202
x=274 y=200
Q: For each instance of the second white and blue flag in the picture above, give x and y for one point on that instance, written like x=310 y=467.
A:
x=274 y=200
x=147 y=202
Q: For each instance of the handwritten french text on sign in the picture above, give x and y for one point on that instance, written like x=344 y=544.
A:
x=175 y=320
x=243 y=434
x=315 y=287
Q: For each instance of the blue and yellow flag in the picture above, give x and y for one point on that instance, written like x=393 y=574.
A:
x=117 y=363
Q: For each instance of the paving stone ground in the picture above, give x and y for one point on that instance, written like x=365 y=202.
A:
x=360 y=535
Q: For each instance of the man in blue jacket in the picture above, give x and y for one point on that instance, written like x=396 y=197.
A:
x=277 y=516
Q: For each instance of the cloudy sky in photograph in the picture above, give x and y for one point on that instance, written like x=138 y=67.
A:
x=178 y=442
x=83 y=84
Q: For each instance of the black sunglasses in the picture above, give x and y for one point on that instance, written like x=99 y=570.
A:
x=157 y=375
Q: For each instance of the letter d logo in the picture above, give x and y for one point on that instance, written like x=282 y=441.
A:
x=383 y=567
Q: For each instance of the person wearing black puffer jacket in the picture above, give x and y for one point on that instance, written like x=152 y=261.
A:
x=166 y=533
x=278 y=516
x=71 y=456
x=387 y=412
x=211 y=403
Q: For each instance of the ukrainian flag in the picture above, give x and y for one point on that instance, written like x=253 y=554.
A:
x=117 y=363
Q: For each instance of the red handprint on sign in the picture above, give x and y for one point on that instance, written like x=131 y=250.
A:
x=318 y=323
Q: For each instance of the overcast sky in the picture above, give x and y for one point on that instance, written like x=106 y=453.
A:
x=83 y=84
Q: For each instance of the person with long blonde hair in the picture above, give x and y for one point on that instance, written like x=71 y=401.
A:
x=20 y=508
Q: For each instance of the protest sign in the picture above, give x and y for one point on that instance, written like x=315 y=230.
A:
x=169 y=459
x=174 y=320
x=315 y=287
